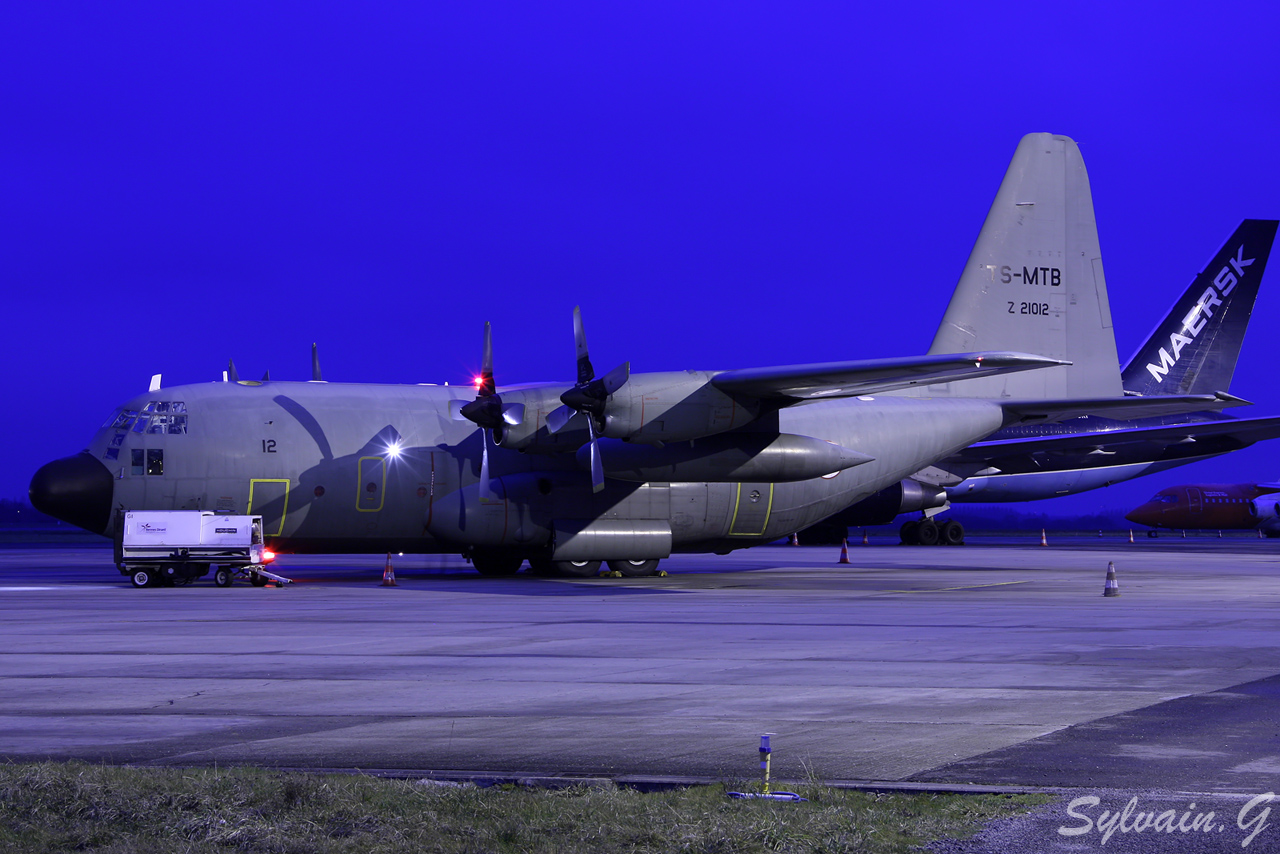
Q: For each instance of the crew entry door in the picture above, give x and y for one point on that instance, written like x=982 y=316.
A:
x=371 y=484
x=752 y=506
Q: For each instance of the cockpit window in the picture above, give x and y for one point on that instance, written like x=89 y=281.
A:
x=157 y=417
x=122 y=419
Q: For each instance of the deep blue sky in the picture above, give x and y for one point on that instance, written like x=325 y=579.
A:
x=718 y=185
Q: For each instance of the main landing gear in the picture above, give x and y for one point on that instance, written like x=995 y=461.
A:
x=507 y=564
x=927 y=532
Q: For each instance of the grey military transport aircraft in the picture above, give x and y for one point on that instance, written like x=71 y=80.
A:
x=626 y=467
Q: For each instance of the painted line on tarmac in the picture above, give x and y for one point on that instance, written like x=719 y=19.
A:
x=967 y=587
x=25 y=589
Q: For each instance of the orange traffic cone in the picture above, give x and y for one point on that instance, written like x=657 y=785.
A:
x=1111 y=588
x=844 y=551
x=795 y=539
x=1044 y=541
x=1259 y=533
x=865 y=541
x=389 y=574
x=1131 y=535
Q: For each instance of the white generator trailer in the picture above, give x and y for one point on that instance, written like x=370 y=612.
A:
x=156 y=548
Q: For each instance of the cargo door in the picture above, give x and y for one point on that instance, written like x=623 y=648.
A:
x=371 y=484
x=269 y=498
x=753 y=502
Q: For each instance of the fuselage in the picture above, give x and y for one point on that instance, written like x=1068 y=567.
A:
x=1222 y=506
x=336 y=467
x=1038 y=474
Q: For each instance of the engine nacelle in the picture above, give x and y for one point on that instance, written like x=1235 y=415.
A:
x=726 y=458
x=1266 y=508
x=905 y=496
x=673 y=407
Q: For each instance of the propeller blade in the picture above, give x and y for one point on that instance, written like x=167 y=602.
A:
x=560 y=417
x=597 y=468
x=616 y=378
x=315 y=364
x=586 y=373
x=486 y=491
x=513 y=413
x=486 y=386
x=232 y=373
x=266 y=377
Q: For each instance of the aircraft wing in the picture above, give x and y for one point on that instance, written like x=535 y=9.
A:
x=1120 y=408
x=871 y=376
x=1245 y=431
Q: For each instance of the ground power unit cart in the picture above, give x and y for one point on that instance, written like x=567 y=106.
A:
x=155 y=548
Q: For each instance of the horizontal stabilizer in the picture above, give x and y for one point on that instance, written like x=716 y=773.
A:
x=1244 y=430
x=872 y=376
x=1121 y=408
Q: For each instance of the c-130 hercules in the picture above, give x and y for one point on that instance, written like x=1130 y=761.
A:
x=624 y=468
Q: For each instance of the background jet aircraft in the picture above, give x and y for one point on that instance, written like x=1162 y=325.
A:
x=1004 y=301
x=1219 y=506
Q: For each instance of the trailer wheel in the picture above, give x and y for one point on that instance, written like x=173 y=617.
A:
x=222 y=577
x=257 y=580
x=143 y=578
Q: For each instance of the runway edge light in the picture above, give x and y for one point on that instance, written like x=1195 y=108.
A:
x=766 y=751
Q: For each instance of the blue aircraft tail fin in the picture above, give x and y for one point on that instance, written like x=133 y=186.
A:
x=1195 y=348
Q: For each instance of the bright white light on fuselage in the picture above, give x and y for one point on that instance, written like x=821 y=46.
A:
x=393 y=450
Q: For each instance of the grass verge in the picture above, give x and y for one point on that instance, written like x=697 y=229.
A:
x=51 y=807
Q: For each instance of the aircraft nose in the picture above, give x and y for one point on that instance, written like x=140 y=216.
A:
x=76 y=489
x=1143 y=515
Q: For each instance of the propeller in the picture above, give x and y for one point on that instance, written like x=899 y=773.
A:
x=232 y=374
x=315 y=364
x=588 y=398
x=487 y=411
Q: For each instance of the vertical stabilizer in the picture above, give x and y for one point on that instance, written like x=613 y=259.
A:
x=1195 y=348
x=1034 y=282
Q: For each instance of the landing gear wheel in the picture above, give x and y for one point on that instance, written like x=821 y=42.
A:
x=143 y=578
x=222 y=577
x=927 y=533
x=577 y=568
x=257 y=580
x=634 y=568
x=951 y=533
x=497 y=564
x=907 y=533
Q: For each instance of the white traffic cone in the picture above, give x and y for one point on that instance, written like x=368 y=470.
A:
x=1111 y=588
x=389 y=574
x=1131 y=535
x=1044 y=541
x=865 y=541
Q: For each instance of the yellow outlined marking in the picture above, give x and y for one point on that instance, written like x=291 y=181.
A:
x=283 y=511
x=737 y=503
x=382 y=489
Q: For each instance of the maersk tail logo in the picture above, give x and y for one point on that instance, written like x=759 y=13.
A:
x=1196 y=320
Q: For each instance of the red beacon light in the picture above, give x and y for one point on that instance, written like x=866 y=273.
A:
x=268 y=555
